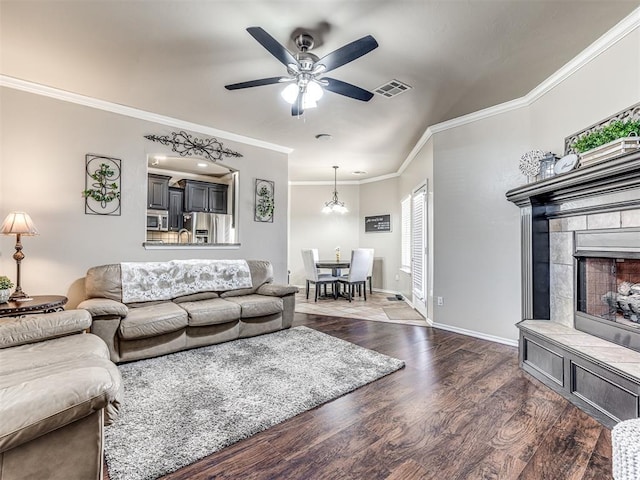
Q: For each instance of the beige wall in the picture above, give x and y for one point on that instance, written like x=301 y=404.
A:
x=44 y=142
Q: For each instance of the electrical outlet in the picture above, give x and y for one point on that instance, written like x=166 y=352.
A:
x=397 y=277
x=440 y=301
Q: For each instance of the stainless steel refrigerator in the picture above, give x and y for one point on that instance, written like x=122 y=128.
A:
x=209 y=227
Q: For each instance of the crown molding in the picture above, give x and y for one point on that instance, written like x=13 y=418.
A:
x=627 y=25
x=323 y=182
x=65 y=96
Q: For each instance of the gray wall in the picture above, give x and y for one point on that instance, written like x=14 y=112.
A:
x=476 y=246
x=477 y=238
x=44 y=142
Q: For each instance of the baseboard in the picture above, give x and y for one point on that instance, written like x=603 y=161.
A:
x=472 y=333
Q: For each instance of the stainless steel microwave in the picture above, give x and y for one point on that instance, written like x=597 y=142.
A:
x=158 y=220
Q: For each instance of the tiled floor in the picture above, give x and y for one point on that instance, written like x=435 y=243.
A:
x=372 y=309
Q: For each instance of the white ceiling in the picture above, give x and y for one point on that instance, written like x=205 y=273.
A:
x=174 y=58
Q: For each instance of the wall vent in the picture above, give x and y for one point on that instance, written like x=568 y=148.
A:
x=392 y=88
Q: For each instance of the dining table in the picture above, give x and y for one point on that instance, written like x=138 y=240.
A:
x=336 y=266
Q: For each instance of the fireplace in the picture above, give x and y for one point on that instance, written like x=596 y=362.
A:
x=580 y=266
x=608 y=285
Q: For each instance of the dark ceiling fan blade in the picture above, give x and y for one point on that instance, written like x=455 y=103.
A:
x=296 y=107
x=348 y=53
x=272 y=46
x=346 y=89
x=254 y=83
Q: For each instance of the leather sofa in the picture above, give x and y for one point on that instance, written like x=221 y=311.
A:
x=57 y=390
x=146 y=309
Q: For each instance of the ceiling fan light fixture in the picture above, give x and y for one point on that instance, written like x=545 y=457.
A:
x=310 y=95
x=290 y=93
x=314 y=91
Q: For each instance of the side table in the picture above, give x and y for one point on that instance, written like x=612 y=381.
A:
x=37 y=304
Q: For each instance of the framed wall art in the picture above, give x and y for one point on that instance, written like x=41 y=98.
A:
x=264 y=204
x=102 y=185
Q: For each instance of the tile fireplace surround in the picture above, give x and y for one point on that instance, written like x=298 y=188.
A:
x=597 y=375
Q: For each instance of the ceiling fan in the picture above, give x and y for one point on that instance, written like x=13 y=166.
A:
x=304 y=68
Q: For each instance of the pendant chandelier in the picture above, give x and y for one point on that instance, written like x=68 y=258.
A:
x=335 y=205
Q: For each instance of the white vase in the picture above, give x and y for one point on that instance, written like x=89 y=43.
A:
x=5 y=293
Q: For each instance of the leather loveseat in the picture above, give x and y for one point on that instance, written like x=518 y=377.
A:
x=146 y=309
x=57 y=390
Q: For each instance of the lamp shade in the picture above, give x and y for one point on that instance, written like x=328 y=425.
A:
x=18 y=223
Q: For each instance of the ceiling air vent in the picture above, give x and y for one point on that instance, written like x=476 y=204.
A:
x=392 y=88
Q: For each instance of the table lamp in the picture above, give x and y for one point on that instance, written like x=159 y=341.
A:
x=18 y=223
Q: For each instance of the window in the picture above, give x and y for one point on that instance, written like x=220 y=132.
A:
x=405 y=262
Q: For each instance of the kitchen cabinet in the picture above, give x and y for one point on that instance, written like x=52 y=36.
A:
x=204 y=196
x=176 y=204
x=158 y=191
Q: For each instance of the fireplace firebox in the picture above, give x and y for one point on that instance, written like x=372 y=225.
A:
x=608 y=285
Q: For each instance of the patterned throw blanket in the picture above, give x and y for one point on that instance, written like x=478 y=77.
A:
x=147 y=281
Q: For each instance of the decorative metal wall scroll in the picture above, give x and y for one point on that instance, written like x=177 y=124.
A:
x=102 y=185
x=187 y=145
x=264 y=201
x=631 y=113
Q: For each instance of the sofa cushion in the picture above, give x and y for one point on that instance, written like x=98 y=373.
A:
x=41 y=354
x=153 y=320
x=258 y=305
x=211 y=312
x=261 y=273
x=194 y=297
x=104 y=281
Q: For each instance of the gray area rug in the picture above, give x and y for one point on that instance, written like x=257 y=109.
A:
x=182 y=407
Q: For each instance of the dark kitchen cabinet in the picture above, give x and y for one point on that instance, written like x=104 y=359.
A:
x=218 y=198
x=204 y=196
x=176 y=202
x=158 y=192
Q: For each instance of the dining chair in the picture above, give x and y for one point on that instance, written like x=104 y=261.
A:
x=357 y=276
x=309 y=258
x=370 y=271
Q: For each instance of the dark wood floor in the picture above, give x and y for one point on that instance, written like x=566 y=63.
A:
x=460 y=409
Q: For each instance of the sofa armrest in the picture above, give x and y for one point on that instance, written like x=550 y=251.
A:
x=276 y=290
x=99 y=307
x=35 y=328
x=34 y=404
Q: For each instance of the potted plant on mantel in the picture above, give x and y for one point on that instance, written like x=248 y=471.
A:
x=5 y=288
x=607 y=142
